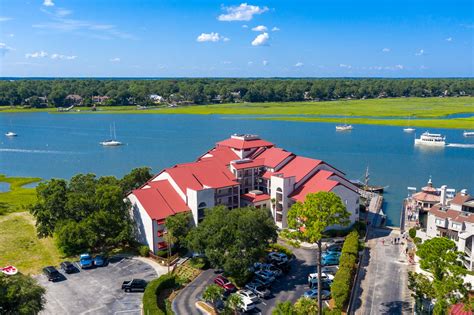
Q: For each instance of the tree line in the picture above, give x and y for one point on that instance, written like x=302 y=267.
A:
x=55 y=92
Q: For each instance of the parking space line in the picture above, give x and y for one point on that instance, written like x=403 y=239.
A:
x=128 y=311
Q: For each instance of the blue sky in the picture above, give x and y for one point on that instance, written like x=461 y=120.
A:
x=314 y=38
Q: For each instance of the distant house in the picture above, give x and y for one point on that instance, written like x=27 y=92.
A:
x=100 y=99
x=157 y=99
x=40 y=101
x=73 y=99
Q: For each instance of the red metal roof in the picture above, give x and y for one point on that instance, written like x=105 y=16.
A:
x=267 y=174
x=254 y=197
x=458 y=309
x=274 y=156
x=242 y=164
x=460 y=199
x=160 y=200
x=223 y=154
x=318 y=182
x=299 y=167
x=453 y=215
x=241 y=144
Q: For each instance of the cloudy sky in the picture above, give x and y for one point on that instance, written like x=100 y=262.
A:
x=204 y=38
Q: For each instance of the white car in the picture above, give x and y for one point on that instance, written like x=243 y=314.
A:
x=278 y=257
x=330 y=269
x=312 y=277
x=248 y=296
x=247 y=305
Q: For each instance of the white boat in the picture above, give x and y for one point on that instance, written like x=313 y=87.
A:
x=468 y=133
x=409 y=129
x=113 y=141
x=344 y=127
x=431 y=139
x=11 y=134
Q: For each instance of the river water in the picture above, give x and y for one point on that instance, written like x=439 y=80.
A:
x=61 y=145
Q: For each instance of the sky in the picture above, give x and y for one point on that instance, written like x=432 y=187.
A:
x=271 y=38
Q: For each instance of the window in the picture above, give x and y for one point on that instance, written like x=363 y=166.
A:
x=200 y=211
x=439 y=222
x=456 y=226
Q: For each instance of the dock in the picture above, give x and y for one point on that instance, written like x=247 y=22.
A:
x=375 y=215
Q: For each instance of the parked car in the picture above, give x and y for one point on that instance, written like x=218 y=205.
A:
x=285 y=267
x=328 y=254
x=277 y=272
x=330 y=269
x=248 y=295
x=313 y=294
x=68 y=267
x=247 y=305
x=325 y=284
x=265 y=282
x=330 y=260
x=260 y=290
x=86 y=261
x=100 y=261
x=52 y=273
x=224 y=283
x=314 y=276
x=336 y=248
x=278 y=257
x=265 y=275
x=134 y=285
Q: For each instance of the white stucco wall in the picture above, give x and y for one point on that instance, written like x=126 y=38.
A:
x=351 y=200
x=286 y=185
x=144 y=225
x=195 y=197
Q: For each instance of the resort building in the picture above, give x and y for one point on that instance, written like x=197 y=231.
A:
x=243 y=170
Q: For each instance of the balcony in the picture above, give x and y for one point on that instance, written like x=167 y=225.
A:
x=467 y=251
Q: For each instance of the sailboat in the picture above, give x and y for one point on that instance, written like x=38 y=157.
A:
x=409 y=129
x=365 y=185
x=113 y=141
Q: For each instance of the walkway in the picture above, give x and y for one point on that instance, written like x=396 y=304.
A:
x=382 y=287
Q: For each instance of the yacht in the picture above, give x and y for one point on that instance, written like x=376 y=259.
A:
x=468 y=133
x=11 y=134
x=113 y=141
x=409 y=129
x=431 y=139
x=344 y=127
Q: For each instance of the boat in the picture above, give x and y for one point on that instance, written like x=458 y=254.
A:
x=468 y=133
x=344 y=127
x=409 y=129
x=431 y=139
x=365 y=185
x=11 y=134
x=113 y=141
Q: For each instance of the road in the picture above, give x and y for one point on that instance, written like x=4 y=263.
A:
x=287 y=288
x=382 y=286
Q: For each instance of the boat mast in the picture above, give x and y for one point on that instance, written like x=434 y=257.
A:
x=367 y=175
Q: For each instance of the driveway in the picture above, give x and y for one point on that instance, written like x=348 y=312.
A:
x=289 y=287
x=97 y=290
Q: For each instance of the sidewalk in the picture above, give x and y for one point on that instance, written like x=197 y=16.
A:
x=160 y=270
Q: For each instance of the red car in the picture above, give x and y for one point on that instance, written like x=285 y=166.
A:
x=225 y=284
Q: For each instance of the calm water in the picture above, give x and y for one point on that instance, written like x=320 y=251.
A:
x=51 y=145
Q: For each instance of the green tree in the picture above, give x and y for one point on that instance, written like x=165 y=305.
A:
x=284 y=308
x=212 y=294
x=233 y=303
x=179 y=226
x=20 y=294
x=304 y=306
x=311 y=217
x=440 y=257
x=233 y=240
x=136 y=178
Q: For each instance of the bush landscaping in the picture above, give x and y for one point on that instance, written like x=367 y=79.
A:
x=155 y=298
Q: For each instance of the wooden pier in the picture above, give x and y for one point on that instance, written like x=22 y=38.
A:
x=375 y=214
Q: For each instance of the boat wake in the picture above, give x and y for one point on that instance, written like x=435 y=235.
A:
x=460 y=145
x=34 y=151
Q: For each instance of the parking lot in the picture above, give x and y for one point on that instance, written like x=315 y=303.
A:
x=97 y=290
x=289 y=287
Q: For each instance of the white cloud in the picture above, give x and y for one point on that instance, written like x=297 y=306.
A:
x=399 y=67
x=4 y=48
x=260 y=28
x=250 y=63
x=48 y=3
x=342 y=65
x=5 y=18
x=245 y=26
x=243 y=12
x=11 y=35
x=226 y=62
x=421 y=52
x=211 y=37
x=422 y=67
x=63 y=12
x=261 y=39
x=299 y=64
x=36 y=54
x=275 y=29
x=449 y=39
x=265 y=62
x=386 y=50
x=62 y=57
x=116 y=59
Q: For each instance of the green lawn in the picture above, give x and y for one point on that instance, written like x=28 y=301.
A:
x=19 y=245
x=18 y=197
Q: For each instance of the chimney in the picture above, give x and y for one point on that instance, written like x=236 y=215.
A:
x=443 y=195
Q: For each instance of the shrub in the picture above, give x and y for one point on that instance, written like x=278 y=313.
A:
x=351 y=243
x=144 y=251
x=417 y=241
x=412 y=233
x=199 y=263
x=156 y=294
x=280 y=248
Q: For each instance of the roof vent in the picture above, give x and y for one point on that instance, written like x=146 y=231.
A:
x=256 y=192
x=242 y=161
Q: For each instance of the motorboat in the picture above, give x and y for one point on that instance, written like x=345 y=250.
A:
x=468 y=133
x=11 y=134
x=409 y=129
x=431 y=139
x=344 y=127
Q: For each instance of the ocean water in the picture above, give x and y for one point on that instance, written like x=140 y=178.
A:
x=61 y=145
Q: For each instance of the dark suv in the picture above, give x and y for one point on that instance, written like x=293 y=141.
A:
x=134 y=285
x=52 y=273
x=68 y=267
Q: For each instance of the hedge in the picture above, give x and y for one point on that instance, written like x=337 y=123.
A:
x=153 y=301
x=280 y=248
x=412 y=233
x=342 y=284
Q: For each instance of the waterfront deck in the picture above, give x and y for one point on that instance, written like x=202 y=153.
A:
x=375 y=214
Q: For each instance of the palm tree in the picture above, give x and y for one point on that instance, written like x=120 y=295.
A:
x=212 y=294
x=234 y=302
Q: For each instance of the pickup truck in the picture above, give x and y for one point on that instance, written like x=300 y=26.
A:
x=134 y=285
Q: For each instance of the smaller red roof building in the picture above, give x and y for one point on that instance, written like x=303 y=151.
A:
x=242 y=144
x=299 y=167
x=252 y=197
x=318 y=182
x=274 y=156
